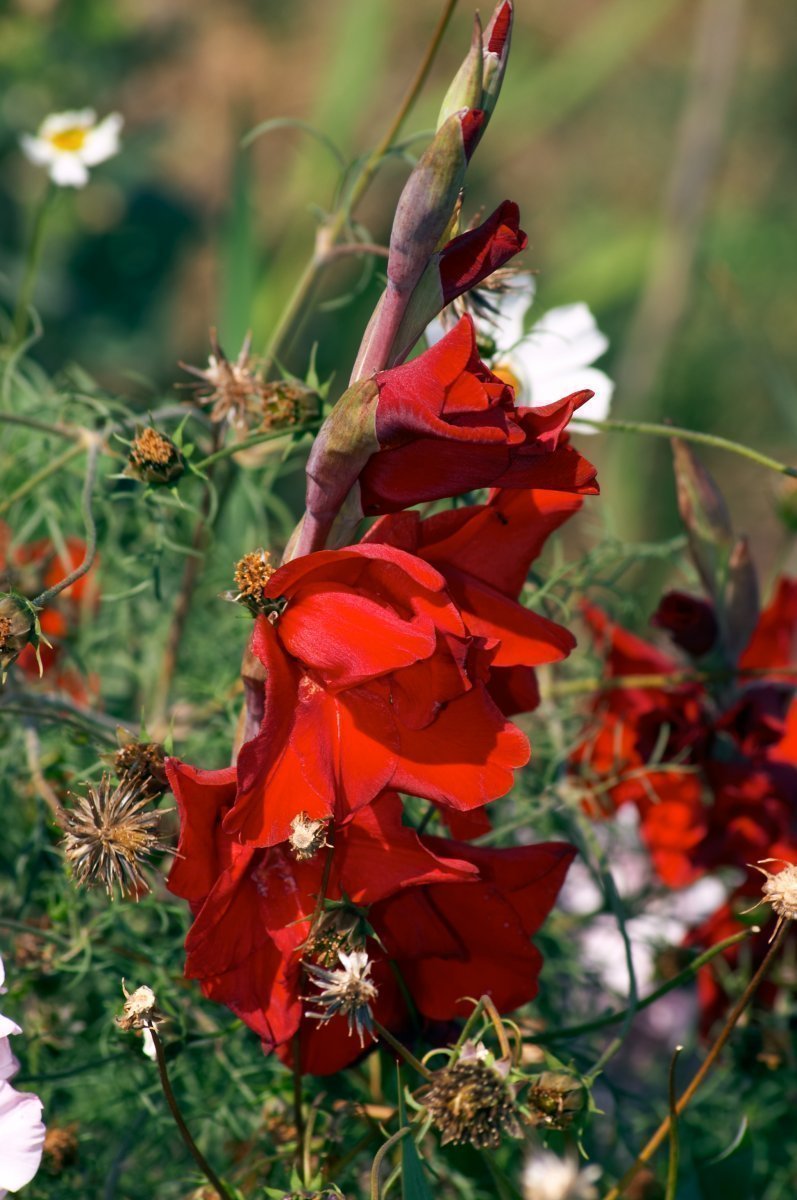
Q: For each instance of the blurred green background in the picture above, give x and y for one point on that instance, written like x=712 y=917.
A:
x=650 y=146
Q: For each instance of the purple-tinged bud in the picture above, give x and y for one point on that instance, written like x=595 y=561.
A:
x=497 y=39
x=705 y=515
x=741 y=605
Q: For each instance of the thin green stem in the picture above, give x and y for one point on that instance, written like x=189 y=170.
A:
x=672 y=1166
x=733 y=1016
x=32 y=264
x=402 y=1051
x=595 y=683
x=90 y=524
x=185 y=1134
x=71 y=432
x=678 y=980
x=50 y=468
x=331 y=231
x=379 y=1158
x=690 y=435
x=256 y=439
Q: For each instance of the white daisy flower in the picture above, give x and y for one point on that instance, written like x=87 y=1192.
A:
x=548 y=1177
x=21 y=1128
x=549 y=362
x=71 y=142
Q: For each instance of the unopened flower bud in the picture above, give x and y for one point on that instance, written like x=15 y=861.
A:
x=252 y=573
x=143 y=762
x=478 y=81
x=155 y=459
x=466 y=87
x=554 y=1099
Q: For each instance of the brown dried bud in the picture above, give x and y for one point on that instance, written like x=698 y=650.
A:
x=18 y=627
x=307 y=837
x=108 y=836
x=554 y=1099
x=140 y=1010
x=780 y=890
x=252 y=573
x=60 y=1147
x=471 y=1101
x=155 y=459
x=143 y=762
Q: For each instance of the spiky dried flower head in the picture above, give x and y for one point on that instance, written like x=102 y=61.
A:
x=108 y=836
x=554 y=1099
x=471 y=1100
x=140 y=1010
x=252 y=573
x=18 y=627
x=145 y=763
x=154 y=458
x=348 y=990
x=779 y=890
x=240 y=397
x=308 y=836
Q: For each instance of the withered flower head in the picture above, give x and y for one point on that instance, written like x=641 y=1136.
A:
x=252 y=574
x=347 y=990
x=780 y=890
x=140 y=1009
x=240 y=398
x=554 y=1099
x=108 y=836
x=60 y=1147
x=143 y=762
x=154 y=458
x=307 y=836
x=471 y=1101
x=17 y=627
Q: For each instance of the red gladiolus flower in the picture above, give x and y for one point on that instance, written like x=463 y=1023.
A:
x=484 y=553
x=690 y=622
x=255 y=911
x=445 y=425
x=469 y=258
x=372 y=682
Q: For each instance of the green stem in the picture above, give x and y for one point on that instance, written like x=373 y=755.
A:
x=379 y=1158
x=31 y=265
x=690 y=435
x=672 y=1166
x=330 y=232
x=256 y=439
x=402 y=1051
x=50 y=468
x=733 y=1016
x=72 y=433
x=90 y=524
x=185 y=1134
x=677 y=981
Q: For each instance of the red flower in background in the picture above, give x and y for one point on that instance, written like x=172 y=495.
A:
x=446 y=425
x=712 y=775
x=453 y=920
x=32 y=568
x=373 y=681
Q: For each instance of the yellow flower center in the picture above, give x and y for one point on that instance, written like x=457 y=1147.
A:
x=504 y=372
x=69 y=139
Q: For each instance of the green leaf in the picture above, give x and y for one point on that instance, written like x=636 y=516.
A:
x=730 y=1173
x=413 y=1181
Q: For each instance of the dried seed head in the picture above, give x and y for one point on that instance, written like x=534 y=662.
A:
x=108 y=836
x=154 y=458
x=233 y=389
x=17 y=627
x=140 y=1010
x=251 y=577
x=287 y=402
x=554 y=1099
x=307 y=836
x=60 y=1147
x=144 y=763
x=340 y=929
x=347 y=990
x=780 y=890
x=471 y=1101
